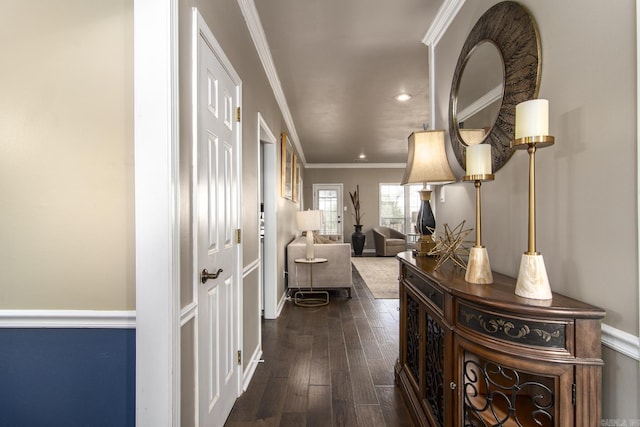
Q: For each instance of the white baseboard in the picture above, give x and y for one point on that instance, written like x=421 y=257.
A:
x=97 y=319
x=281 y=304
x=621 y=341
x=251 y=368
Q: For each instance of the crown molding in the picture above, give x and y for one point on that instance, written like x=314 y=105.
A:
x=356 y=165
x=254 y=25
x=441 y=22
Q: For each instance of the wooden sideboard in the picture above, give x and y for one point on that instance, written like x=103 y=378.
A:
x=478 y=355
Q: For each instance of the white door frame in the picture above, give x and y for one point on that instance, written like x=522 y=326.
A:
x=269 y=263
x=157 y=225
x=157 y=216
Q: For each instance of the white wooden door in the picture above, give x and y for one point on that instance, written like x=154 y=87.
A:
x=217 y=251
x=328 y=199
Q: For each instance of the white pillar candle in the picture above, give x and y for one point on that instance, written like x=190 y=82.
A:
x=479 y=159
x=532 y=118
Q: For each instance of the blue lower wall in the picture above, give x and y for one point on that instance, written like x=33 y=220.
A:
x=67 y=377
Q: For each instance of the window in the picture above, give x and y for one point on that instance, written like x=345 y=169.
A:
x=397 y=202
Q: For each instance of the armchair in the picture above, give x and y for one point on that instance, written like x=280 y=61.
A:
x=388 y=242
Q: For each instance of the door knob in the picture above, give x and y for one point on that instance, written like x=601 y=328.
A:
x=205 y=275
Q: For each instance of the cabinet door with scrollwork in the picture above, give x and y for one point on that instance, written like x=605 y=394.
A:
x=436 y=392
x=425 y=356
x=497 y=389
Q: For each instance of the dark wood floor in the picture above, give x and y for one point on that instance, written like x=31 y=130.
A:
x=327 y=366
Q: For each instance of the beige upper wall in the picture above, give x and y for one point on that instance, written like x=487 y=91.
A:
x=586 y=182
x=66 y=155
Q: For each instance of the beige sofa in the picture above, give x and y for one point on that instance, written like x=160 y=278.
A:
x=334 y=274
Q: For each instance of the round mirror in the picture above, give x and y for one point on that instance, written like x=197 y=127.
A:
x=498 y=68
x=479 y=93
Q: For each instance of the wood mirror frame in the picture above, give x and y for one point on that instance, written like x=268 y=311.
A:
x=512 y=29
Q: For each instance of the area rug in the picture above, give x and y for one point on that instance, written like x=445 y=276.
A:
x=380 y=274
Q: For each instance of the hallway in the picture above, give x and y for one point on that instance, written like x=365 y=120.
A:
x=328 y=366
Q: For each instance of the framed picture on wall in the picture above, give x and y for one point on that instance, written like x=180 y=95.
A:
x=297 y=183
x=287 y=167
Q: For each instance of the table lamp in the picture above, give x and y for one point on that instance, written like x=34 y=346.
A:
x=308 y=221
x=532 y=128
x=427 y=164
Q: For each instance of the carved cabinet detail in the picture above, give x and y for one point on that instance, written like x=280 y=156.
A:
x=478 y=355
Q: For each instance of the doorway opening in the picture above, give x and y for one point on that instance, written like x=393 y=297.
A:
x=267 y=218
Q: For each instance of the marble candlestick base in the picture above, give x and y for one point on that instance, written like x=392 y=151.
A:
x=478 y=267
x=532 y=278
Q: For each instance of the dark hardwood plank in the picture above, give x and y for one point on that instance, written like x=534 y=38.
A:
x=320 y=373
x=327 y=366
x=381 y=372
x=318 y=414
x=298 y=382
x=294 y=419
x=393 y=407
x=343 y=410
x=270 y=406
x=361 y=382
x=369 y=415
x=245 y=407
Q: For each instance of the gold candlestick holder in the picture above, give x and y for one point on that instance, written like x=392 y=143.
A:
x=533 y=281
x=478 y=266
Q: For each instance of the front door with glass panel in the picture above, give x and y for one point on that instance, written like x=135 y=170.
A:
x=328 y=199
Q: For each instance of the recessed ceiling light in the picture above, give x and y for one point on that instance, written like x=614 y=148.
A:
x=403 y=97
x=362 y=156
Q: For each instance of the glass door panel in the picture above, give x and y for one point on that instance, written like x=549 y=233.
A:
x=328 y=199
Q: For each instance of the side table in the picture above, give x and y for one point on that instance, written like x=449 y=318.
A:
x=310 y=301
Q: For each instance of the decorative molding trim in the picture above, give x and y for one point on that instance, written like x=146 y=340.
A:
x=356 y=165
x=97 y=319
x=254 y=25
x=621 y=341
x=480 y=103
x=251 y=367
x=187 y=313
x=249 y=268
x=446 y=14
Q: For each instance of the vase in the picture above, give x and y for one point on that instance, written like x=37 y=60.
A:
x=357 y=240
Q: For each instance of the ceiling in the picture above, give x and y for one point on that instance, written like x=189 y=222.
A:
x=341 y=63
